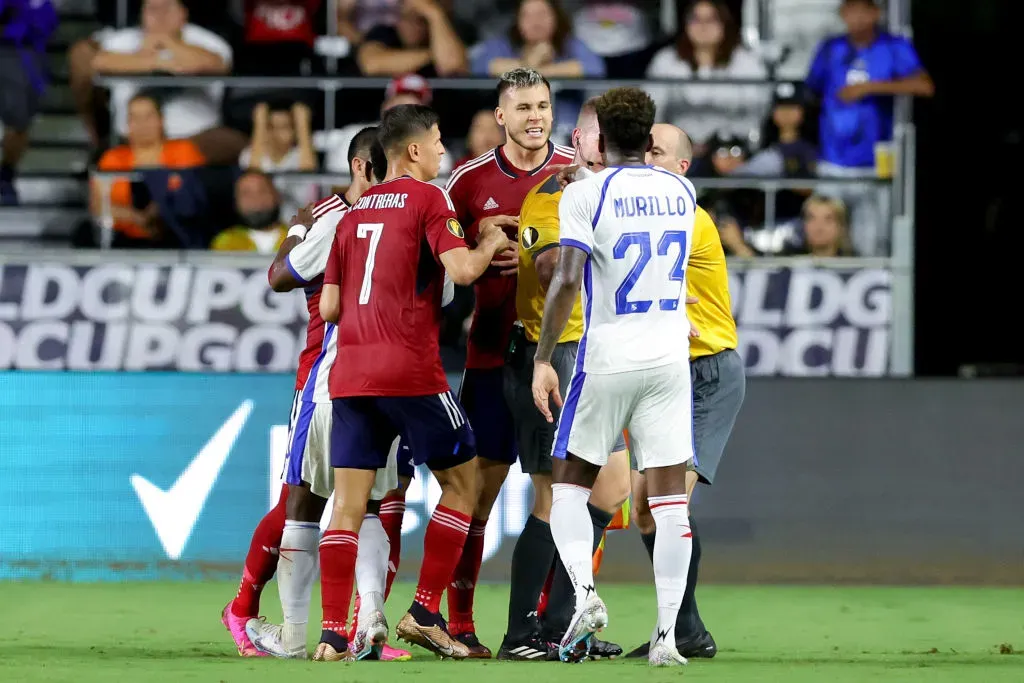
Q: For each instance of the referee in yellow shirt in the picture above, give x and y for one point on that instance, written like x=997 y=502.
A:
x=538 y=256
x=718 y=379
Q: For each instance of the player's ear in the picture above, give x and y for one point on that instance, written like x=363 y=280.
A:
x=499 y=116
x=413 y=150
x=684 y=166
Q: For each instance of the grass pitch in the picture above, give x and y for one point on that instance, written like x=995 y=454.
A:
x=139 y=632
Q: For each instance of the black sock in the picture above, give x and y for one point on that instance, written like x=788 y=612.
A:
x=562 y=599
x=689 y=624
x=531 y=563
x=6 y=172
x=648 y=540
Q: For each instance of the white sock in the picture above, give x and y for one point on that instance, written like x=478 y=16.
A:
x=574 y=536
x=673 y=544
x=372 y=564
x=296 y=571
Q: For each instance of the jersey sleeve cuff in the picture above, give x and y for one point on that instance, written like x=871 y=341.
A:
x=547 y=247
x=574 y=243
x=295 y=274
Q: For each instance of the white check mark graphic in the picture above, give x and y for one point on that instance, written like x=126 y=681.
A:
x=174 y=512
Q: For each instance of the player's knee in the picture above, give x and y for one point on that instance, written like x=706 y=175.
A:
x=644 y=520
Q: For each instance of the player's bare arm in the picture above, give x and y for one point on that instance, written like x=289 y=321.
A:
x=280 y=276
x=330 y=303
x=465 y=265
x=562 y=295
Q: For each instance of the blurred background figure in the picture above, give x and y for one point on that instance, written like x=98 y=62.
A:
x=788 y=151
x=542 y=38
x=282 y=140
x=707 y=46
x=261 y=227
x=164 y=43
x=25 y=29
x=855 y=76
x=484 y=134
x=825 y=230
x=620 y=32
x=136 y=216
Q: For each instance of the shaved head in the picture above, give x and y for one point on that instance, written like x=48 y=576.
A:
x=672 y=149
x=585 y=137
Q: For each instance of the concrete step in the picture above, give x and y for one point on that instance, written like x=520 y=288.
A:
x=54 y=160
x=63 y=128
x=17 y=222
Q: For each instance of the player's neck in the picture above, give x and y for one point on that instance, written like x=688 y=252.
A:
x=863 y=38
x=522 y=158
x=616 y=158
x=353 y=193
x=403 y=167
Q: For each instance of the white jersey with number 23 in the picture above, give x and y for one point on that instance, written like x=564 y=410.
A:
x=635 y=222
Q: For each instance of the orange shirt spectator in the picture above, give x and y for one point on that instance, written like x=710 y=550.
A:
x=147 y=148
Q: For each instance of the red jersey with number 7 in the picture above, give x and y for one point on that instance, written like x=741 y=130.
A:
x=386 y=259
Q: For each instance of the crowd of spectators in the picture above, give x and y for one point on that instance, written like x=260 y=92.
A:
x=831 y=119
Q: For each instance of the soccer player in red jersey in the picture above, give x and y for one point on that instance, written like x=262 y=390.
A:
x=292 y=528
x=489 y=191
x=383 y=285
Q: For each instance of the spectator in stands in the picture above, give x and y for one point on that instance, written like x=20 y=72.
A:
x=356 y=18
x=541 y=38
x=787 y=152
x=135 y=216
x=484 y=135
x=25 y=28
x=165 y=43
x=282 y=140
x=733 y=210
x=407 y=89
x=856 y=76
x=423 y=40
x=707 y=46
x=825 y=229
x=259 y=209
x=278 y=37
x=620 y=32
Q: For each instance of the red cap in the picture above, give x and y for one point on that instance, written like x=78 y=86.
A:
x=410 y=84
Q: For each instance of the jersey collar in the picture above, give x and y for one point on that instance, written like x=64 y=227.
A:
x=511 y=171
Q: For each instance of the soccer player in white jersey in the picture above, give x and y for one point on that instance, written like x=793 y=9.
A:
x=300 y=263
x=624 y=235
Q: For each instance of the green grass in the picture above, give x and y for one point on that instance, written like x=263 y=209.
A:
x=133 y=633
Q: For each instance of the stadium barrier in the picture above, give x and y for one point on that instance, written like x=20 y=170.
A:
x=215 y=313
x=140 y=476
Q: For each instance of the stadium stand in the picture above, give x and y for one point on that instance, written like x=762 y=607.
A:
x=753 y=122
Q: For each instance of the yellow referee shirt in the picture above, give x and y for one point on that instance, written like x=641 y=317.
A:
x=708 y=280
x=538 y=232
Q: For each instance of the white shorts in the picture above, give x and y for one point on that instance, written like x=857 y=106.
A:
x=308 y=459
x=655 y=405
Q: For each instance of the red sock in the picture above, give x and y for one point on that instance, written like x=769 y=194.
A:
x=463 y=585
x=261 y=562
x=542 y=601
x=392 y=511
x=442 y=548
x=337 y=576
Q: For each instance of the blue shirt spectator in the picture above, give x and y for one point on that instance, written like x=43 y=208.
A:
x=25 y=28
x=856 y=76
